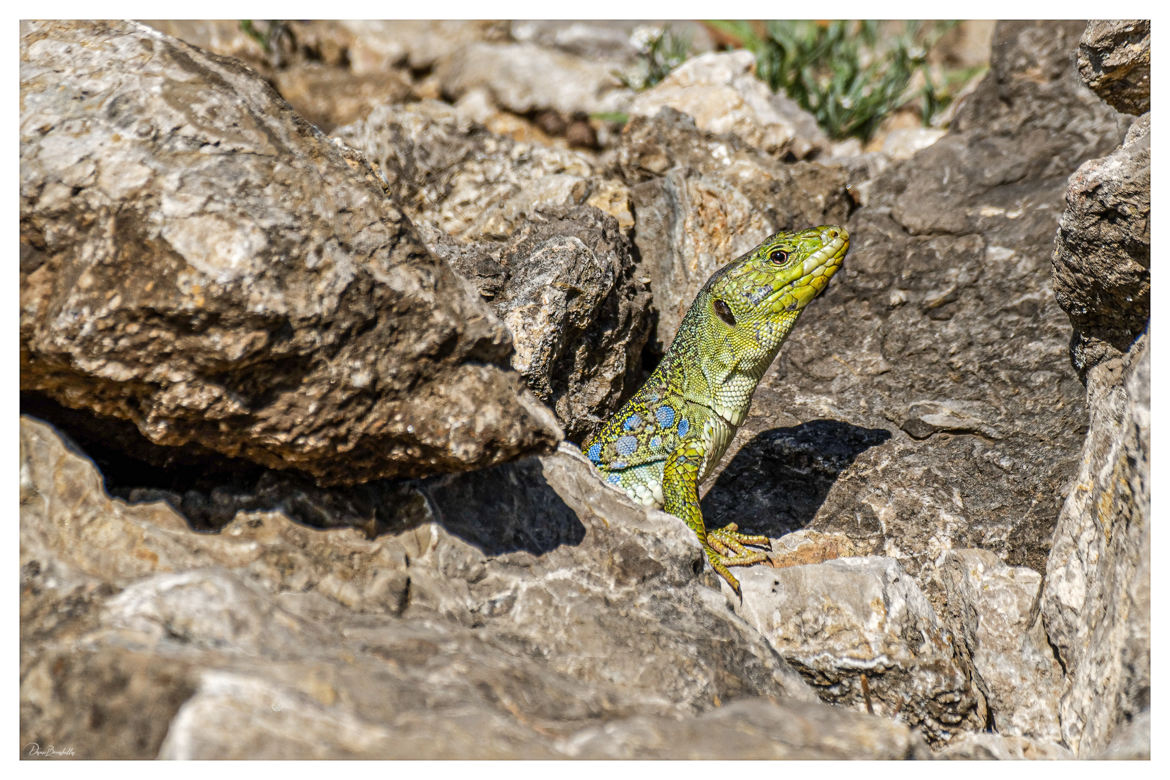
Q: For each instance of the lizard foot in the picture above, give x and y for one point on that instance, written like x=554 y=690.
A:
x=725 y=547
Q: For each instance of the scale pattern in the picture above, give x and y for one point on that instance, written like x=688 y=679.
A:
x=667 y=438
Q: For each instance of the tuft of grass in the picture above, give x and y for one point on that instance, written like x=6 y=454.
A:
x=849 y=74
x=660 y=50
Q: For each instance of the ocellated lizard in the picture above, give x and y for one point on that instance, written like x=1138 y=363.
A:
x=670 y=435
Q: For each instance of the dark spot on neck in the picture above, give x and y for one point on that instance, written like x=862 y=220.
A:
x=724 y=312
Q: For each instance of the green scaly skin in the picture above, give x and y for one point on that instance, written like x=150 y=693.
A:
x=670 y=435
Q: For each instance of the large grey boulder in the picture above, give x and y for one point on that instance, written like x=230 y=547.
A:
x=448 y=171
x=197 y=259
x=541 y=233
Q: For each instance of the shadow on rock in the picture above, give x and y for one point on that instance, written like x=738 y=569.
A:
x=778 y=480
x=503 y=509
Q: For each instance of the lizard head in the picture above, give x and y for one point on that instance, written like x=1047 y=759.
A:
x=772 y=283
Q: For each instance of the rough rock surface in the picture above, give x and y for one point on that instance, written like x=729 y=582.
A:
x=925 y=401
x=452 y=173
x=705 y=199
x=862 y=633
x=1101 y=260
x=565 y=287
x=1114 y=60
x=494 y=630
x=991 y=604
x=1096 y=600
x=292 y=316
x=543 y=238
x=721 y=92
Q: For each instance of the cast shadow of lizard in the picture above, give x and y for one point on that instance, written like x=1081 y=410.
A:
x=777 y=481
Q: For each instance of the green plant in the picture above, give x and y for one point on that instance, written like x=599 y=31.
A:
x=265 y=38
x=660 y=50
x=848 y=74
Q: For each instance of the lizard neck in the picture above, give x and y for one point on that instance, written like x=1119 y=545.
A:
x=719 y=367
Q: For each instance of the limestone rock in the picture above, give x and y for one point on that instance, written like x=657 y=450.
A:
x=448 y=171
x=904 y=143
x=577 y=314
x=490 y=623
x=1101 y=258
x=1114 y=60
x=290 y=314
x=721 y=92
x=863 y=634
x=526 y=78
x=1096 y=600
x=541 y=234
x=990 y=606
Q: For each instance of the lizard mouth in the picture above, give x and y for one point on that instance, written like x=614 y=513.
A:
x=836 y=244
x=816 y=270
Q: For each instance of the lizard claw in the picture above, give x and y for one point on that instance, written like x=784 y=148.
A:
x=729 y=539
x=725 y=547
x=718 y=564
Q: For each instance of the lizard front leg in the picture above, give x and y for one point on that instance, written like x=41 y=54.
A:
x=680 y=490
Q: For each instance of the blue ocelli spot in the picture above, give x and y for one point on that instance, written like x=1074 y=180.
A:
x=632 y=422
x=626 y=445
x=613 y=479
x=656 y=442
x=683 y=426
x=665 y=415
x=595 y=452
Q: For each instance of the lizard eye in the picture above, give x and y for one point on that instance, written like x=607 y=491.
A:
x=778 y=256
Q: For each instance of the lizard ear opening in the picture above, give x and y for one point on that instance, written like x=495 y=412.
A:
x=724 y=311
